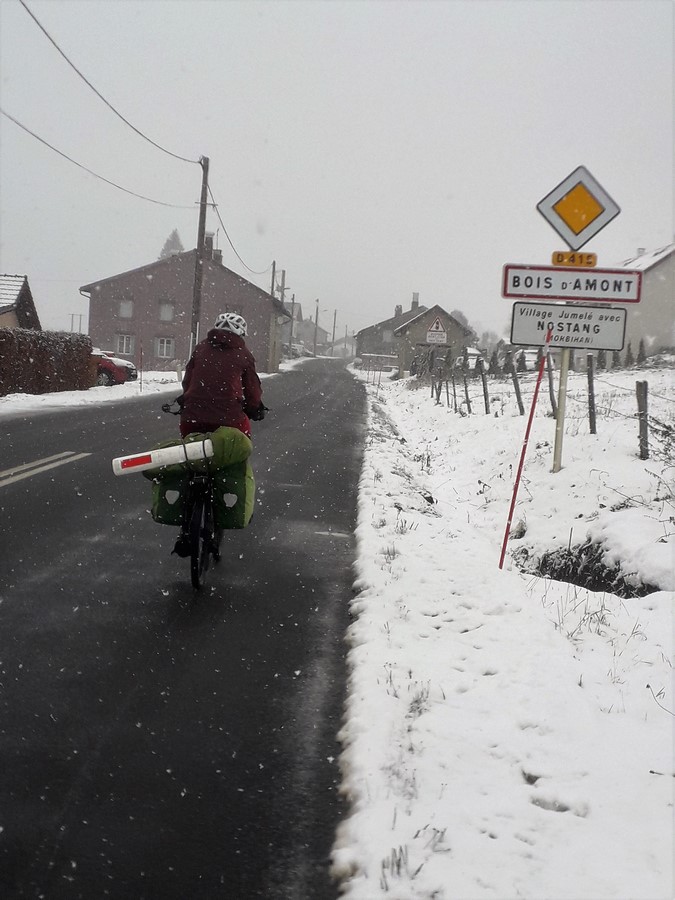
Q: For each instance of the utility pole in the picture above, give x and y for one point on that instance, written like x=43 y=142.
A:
x=345 y=341
x=332 y=343
x=292 y=320
x=316 y=325
x=283 y=288
x=274 y=275
x=199 y=259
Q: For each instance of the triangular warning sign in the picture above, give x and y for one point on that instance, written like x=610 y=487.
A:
x=437 y=326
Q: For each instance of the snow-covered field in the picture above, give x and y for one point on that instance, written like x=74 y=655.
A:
x=506 y=736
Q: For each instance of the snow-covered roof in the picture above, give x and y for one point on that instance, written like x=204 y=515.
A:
x=422 y=312
x=396 y=321
x=10 y=288
x=648 y=258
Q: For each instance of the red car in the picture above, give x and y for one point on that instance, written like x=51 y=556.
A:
x=110 y=369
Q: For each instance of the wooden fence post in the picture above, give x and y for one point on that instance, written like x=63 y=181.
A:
x=466 y=393
x=483 y=376
x=516 y=385
x=641 y=388
x=454 y=393
x=590 y=362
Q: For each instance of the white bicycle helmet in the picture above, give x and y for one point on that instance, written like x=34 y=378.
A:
x=231 y=322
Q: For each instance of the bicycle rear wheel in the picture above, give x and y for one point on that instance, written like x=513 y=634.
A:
x=200 y=529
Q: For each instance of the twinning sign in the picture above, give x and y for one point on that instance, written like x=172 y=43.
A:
x=581 y=327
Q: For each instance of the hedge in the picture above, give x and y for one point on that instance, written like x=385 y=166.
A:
x=40 y=362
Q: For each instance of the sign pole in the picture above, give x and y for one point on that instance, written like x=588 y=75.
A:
x=562 y=398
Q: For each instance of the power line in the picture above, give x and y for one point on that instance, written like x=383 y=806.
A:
x=253 y=271
x=79 y=165
x=98 y=94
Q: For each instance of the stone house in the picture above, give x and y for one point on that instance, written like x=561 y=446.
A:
x=433 y=332
x=17 y=308
x=145 y=314
x=379 y=339
x=411 y=334
x=653 y=318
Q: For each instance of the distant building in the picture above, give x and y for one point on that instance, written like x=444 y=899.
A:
x=379 y=338
x=410 y=334
x=435 y=332
x=145 y=314
x=653 y=318
x=17 y=308
x=304 y=330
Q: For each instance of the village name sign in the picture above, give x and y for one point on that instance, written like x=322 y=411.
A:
x=549 y=283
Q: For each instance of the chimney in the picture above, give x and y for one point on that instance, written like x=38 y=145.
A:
x=208 y=244
x=641 y=251
x=415 y=301
x=218 y=256
x=398 y=311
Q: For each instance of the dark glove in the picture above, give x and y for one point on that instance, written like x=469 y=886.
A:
x=257 y=414
x=167 y=407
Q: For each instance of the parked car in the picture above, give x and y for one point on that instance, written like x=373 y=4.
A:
x=111 y=369
x=473 y=356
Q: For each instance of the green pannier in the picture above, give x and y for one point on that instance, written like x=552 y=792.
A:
x=234 y=485
x=234 y=495
x=168 y=497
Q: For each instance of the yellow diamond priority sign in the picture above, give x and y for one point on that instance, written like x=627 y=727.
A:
x=578 y=208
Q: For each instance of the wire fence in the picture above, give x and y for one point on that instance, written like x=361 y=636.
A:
x=475 y=393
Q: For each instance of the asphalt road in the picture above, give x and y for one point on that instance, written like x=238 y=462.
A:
x=155 y=743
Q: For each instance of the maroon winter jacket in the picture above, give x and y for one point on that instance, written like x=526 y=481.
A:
x=220 y=384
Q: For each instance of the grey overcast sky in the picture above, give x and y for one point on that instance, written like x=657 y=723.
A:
x=373 y=149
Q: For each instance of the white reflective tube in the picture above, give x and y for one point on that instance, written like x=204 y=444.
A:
x=166 y=456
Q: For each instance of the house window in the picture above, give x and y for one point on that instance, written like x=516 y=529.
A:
x=165 y=348
x=126 y=309
x=165 y=311
x=125 y=344
x=387 y=337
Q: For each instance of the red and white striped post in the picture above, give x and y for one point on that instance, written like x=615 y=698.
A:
x=542 y=363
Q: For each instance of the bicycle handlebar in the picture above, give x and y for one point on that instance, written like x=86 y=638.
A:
x=256 y=416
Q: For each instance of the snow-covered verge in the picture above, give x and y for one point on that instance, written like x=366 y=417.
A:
x=506 y=735
x=149 y=383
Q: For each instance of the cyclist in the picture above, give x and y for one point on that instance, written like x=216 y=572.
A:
x=221 y=385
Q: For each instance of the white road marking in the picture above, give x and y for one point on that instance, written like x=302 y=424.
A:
x=18 y=473
x=36 y=462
